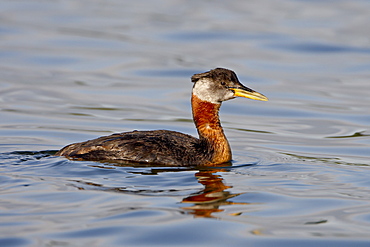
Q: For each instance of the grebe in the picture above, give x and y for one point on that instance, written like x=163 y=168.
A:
x=171 y=148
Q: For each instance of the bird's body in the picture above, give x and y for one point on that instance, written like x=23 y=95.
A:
x=164 y=147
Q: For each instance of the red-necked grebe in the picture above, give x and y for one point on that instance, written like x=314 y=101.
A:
x=164 y=147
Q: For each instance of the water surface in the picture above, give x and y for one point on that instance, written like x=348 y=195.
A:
x=72 y=71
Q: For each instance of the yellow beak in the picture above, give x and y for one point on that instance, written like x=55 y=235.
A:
x=248 y=93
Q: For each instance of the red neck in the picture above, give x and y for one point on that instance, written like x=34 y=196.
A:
x=209 y=128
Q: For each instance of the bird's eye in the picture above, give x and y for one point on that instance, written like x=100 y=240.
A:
x=223 y=83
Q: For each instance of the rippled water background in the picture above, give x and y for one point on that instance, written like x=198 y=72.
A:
x=75 y=70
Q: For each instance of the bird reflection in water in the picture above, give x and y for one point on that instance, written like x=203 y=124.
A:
x=208 y=201
x=205 y=202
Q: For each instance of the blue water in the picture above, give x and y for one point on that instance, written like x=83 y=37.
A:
x=73 y=71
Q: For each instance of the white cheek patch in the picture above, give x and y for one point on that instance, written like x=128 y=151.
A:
x=229 y=95
x=202 y=91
